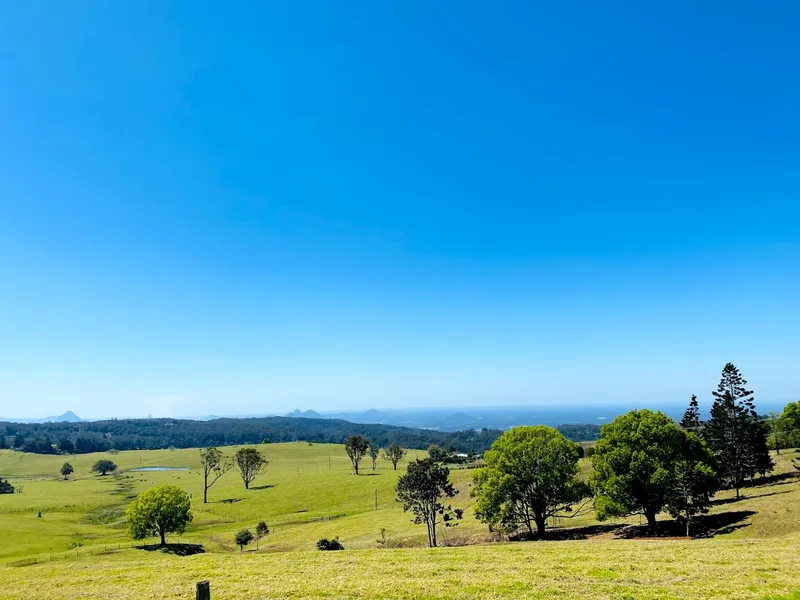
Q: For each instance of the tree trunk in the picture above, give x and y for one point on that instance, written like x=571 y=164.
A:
x=394 y=464
x=163 y=539
x=205 y=489
x=247 y=485
x=541 y=523
x=651 y=519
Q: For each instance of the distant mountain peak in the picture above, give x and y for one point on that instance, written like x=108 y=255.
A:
x=305 y=414
x=373 y=411
x=68 y=416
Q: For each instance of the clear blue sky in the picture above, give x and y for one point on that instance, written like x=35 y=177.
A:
x=250 y=208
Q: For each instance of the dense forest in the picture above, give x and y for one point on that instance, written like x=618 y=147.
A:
x=134 y=434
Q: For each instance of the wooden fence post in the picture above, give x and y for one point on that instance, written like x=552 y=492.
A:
x=203 y=591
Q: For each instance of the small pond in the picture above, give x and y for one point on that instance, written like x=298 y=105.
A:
x=149 y=469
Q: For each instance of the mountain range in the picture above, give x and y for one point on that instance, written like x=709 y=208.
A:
x=67 y=417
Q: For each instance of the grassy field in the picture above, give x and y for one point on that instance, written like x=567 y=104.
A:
x=307 y=492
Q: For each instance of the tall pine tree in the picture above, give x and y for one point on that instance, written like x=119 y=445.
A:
x=735 y=433
x=691 y=418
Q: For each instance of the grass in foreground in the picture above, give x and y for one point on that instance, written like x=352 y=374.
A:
x=619 y=569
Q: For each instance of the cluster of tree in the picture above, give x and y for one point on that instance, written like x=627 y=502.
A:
x=249 y=463
x=151 y=434
x=643 y=463
x=357 y=447
x=245 y=536
x=154 y=434
x=734 y=432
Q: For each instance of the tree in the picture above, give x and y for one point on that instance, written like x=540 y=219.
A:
x=215 y=464
x=356 y=448
x=394 y=454
x=6 y=487
x=691 y=418
x=249 y=463
x=420 y=491
x=261 y=531
x=786 y=429
x=243 y=537
x=3 y=443
x=635 y=464
x=735 y=433
x=437 y=454
x=104 y=466
x=531 y=474
x=159 y=511
x=67 y=470
x=374 y=451
x=694 y=480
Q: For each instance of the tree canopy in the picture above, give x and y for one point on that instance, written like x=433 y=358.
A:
x=151 y=434
x=66 y=470
x=531 y=474
x=104 y=467
x=159 y=511
x=249 y=463
x=243 y=538
x=635 y=463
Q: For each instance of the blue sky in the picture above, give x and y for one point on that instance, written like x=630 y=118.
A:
x=346 y=205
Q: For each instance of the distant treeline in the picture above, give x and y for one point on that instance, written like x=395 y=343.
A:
x=153 y=434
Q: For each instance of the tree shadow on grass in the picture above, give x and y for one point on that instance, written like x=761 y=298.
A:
x=261 y=487
x=723 y=501
x=176 y=549
x=777 y=479
x=229 y=501
x=703 y=526
x=572 y=533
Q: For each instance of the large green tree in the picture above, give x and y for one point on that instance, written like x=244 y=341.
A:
x=635 y=464
x=531 y=474
x=422 y=491
x=104 y=466
x=735 y=433
x=159 y=511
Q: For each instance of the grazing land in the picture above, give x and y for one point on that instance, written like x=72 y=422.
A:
x=751 y=547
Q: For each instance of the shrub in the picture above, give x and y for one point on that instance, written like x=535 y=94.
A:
x=326 y=544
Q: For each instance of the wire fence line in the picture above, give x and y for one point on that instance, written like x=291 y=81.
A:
x=87 y=551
